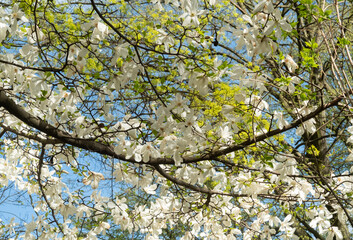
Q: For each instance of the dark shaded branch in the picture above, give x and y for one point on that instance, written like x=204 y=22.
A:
x=40 y=69
x=29 y=136
x=310 y=229
x=41 y=187
x=98 y=147
x=269 y=134
x=52 y=131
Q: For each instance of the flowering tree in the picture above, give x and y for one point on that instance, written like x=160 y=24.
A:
x=202 y=119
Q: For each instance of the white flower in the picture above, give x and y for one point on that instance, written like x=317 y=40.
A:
x=321 y=221
x=3 y=31
x=178 y=104
x=18 y=14
x=147 y=151
x=102 y=227
x=281 y=121
x=212 y=2
x=165 y=39
x=307 y=125
x=350 y=129
x=190 y=123
x=29 y=52
x=190 y=17
x=73 y=52
x=286 y=223
x=227 y=109
x=100 y=29
x=224 y=133
x=267 y=233
x=93 y=179
x=332 y=232
x=291 y=65
x=279 y=23
x=257 y=103
x=261 y=17
x=265 y=6
x=291 y=87
x=150 y=189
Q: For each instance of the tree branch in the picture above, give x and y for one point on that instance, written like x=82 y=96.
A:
x=54 y=132
x=101 y=148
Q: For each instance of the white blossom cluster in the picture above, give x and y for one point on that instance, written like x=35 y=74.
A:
x=204 y=173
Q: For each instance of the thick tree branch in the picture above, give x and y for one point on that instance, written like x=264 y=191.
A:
x=310 y=229
x=42 y=69
x=101 y=148
x=29 y=136
x=269 y=134
x=54 y=132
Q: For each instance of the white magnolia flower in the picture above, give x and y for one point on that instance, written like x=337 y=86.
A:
x=100 y=29
x=3 y=31
x=73 y=52
x=286 y=223
x=322 y=221
x=191 y=15
x=102 y=227
x=281 y=121
x=150 y=189
x=224 y=133
x=291 y=86
x=93 y=179
x=291 y=65
x=265 y=46
x=258 y=103
x=18 y=14
x=278 y=23
x=148 y=151
x=227 y=109
x=262 y=18
x=332 y=232
x=245 y=38
x=165 y=39
x=267 y=233
x=265 y=6
x=308 y=125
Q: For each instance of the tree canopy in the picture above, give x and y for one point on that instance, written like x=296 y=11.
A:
x=185 y=119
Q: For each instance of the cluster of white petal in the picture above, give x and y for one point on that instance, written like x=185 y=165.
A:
x=197 y=170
